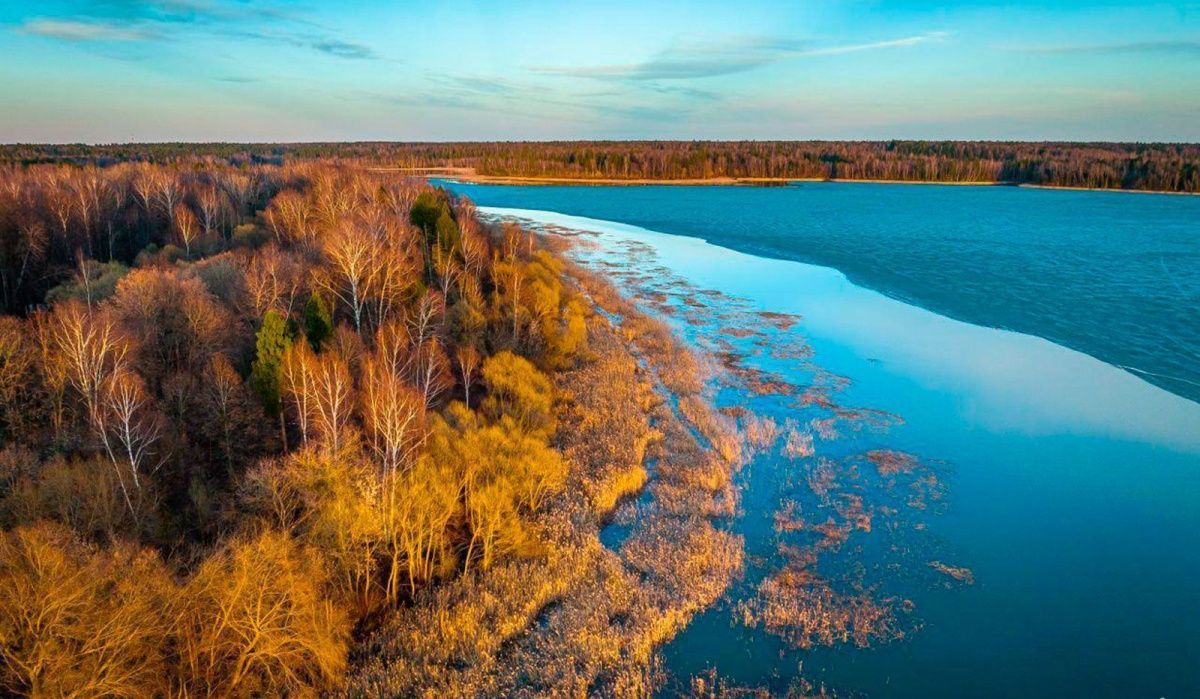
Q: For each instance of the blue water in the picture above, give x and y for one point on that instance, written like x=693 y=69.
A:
x=1072 y=486
x=1114 y=275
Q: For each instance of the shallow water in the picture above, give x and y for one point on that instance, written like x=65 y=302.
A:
x=1072 y=489
x=1112 y=274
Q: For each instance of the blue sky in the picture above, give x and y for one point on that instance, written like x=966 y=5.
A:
x=197 y=70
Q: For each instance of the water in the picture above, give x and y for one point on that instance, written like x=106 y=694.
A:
x=1112 y=274
x=1073 y=486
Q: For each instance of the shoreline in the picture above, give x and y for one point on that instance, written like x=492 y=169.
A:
x=777 y=612
x=1033 y=346
x=468 y=175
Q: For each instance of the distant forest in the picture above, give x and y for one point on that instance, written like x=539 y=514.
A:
x=1158 y=167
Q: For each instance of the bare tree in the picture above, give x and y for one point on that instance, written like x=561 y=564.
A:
x=185 y=227
x=134 y=424
x=320 y=391
x=296 y=380
x=274 y=279
x=289 y=217
x=208 y=199
x=393 y=414
x=333 y=399
x=352 y=257
x=467 y=358
x=92 y=352
x=168 y=191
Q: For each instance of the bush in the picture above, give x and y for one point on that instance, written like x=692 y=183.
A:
x=101 y=283
x=77 y=622
x=248 y=235
x=254 y=622
x=516 y=389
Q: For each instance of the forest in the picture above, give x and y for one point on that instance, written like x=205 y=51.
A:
x=247 y=412
x=1134 y=166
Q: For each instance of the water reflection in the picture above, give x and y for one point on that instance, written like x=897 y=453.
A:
x=1003 y=381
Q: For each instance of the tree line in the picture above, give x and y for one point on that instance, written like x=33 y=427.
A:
x=245 y=408
x=1139 y=166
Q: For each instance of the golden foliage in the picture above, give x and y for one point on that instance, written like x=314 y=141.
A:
x=17 y=374
x=253 y=621
x=517 y=390
x=74 y=622
x=394 y=496
x=503 y=468
x=80 y=493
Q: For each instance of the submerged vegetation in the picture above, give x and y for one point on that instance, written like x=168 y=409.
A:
x=844 y=547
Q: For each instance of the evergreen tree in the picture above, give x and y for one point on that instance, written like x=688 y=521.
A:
x=318 y=321
x=273 y=339
x=426 y=211
x=448 y=236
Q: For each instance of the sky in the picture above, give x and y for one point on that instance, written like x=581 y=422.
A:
x=102 y=71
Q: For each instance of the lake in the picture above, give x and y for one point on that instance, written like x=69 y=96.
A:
x=1112 y=274
x=1007 y=339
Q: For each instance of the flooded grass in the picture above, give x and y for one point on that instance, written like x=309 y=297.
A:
x=839 y=523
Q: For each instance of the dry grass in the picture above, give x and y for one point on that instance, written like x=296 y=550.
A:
x=780 y=321
x=606 y=427
x=889 y=462
x=759 y=432
x=583 y=619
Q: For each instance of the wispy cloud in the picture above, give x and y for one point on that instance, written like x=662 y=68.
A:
x=492 y=94
x=142 y=20
x=189 y=11
x=712 y=59
x=76 y=30
x=874 y=46
x=342 y=49
x=1175 y=46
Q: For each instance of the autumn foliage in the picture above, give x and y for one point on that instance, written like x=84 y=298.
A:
x=245 y=409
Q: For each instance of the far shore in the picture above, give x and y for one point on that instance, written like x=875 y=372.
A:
x=469 y=175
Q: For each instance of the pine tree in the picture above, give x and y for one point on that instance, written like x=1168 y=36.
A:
x=273 y=339
x=318 y=321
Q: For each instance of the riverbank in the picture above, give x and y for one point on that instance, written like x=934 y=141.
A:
x=469 y=175
x=912 y=454
x=624 y=558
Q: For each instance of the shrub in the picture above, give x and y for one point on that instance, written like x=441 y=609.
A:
x=253 y=621
x=517 y=389
x=78 y=622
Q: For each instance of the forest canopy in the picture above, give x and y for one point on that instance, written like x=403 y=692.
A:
x=245 y=410
x=1169 y=167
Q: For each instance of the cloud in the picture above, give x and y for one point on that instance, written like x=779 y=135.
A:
x=1180 y=46
x=139 y=20
x=682 y=91
x=493 y=94
x=343 y=49
x=330 y=46
x=75 y=30
x=189 y=11
x=874 y=46
x=707 y=60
